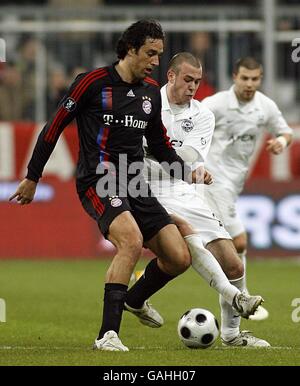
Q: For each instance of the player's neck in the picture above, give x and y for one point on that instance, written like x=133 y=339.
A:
x=171 y=96
x=241 y=100
x=123 y=69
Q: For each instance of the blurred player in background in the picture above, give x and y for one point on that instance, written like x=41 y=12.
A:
x=115 y=107
x=190 y=127
x=242 y=114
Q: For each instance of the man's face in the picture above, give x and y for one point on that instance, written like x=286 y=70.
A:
x=146 y=58
x=185 y=83
x=246 y=82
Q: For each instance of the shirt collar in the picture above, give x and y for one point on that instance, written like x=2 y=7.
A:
x=116 y=76
x=114 y=73
x=165 y=105
x=255 y=104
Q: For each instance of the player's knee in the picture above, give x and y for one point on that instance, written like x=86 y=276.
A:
x=185 y=230
x=134 y=247
x=184 y=227
x=131 y=246
x=182 y=261
x=235 y=270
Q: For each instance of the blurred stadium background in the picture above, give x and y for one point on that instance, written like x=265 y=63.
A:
x=48 y=42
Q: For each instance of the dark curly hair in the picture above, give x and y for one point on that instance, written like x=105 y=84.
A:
x=136 y=34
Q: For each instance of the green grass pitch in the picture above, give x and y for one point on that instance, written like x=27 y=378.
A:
x=54 y=311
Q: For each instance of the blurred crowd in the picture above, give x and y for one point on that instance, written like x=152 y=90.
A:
x=18 y=83
x=68 y=54
x=66 y=57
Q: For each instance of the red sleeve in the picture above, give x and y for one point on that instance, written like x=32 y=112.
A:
x=72 y=104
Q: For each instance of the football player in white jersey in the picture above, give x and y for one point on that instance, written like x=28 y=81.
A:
x=242 y=115
x=190 y=127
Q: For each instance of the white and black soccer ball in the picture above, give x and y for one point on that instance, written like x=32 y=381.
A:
x=198 y=328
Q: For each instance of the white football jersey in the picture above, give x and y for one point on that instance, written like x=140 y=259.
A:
x=238 y=126
x=193 y=126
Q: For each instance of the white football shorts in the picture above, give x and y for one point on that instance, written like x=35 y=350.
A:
x=192 y=208
x=223 y=203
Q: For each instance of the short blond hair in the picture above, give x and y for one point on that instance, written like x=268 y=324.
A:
x=183 y=57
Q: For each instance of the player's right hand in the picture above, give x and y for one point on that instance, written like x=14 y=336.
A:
x=25 y=192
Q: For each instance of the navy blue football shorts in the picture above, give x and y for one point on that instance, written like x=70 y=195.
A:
x=149 y=214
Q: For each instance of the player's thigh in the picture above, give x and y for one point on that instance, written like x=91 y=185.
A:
x=125 y=234
x=223 y=204
x=224 y=251
x=170 y=247
x=114 y=218
x=185 y=228
x=150 y=215
x=194 y=210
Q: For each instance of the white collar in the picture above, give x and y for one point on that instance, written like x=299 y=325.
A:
x=165 y=105
x=254 y=104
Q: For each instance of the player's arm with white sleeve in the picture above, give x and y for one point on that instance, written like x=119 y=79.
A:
x=278 y=126
x=196 y=144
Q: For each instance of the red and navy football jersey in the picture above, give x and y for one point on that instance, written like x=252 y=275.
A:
x=112 y=118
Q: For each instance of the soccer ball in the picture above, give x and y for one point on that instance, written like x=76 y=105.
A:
x=198 y=328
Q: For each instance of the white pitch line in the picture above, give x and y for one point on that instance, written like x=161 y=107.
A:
x=67 y=348
x=40 y=348
x=139 y=348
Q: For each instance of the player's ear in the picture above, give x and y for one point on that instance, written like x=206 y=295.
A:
x=132 y=51
x=171 y=76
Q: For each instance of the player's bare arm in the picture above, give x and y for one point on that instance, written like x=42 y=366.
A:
x=25 y=192
x=278 y=144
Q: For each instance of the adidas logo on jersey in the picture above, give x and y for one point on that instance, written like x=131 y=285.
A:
x=130 y=93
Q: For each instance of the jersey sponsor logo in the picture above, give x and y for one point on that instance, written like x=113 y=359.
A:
x=187 y=125
x=243 y=138
x=176 y=143
x=127 y=121
x=69 y=104
x=146 y=105
x=130 y=93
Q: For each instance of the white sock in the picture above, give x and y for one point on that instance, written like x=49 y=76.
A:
x=243 y=257
x=230 y=319
x=208 y=267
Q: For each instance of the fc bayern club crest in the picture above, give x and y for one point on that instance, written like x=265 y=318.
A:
x=115 y=202
x=187 y=125
x=147 y=106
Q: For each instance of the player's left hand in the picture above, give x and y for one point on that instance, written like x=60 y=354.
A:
x=274 y=146
x=202 y=176
x=208 y=179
